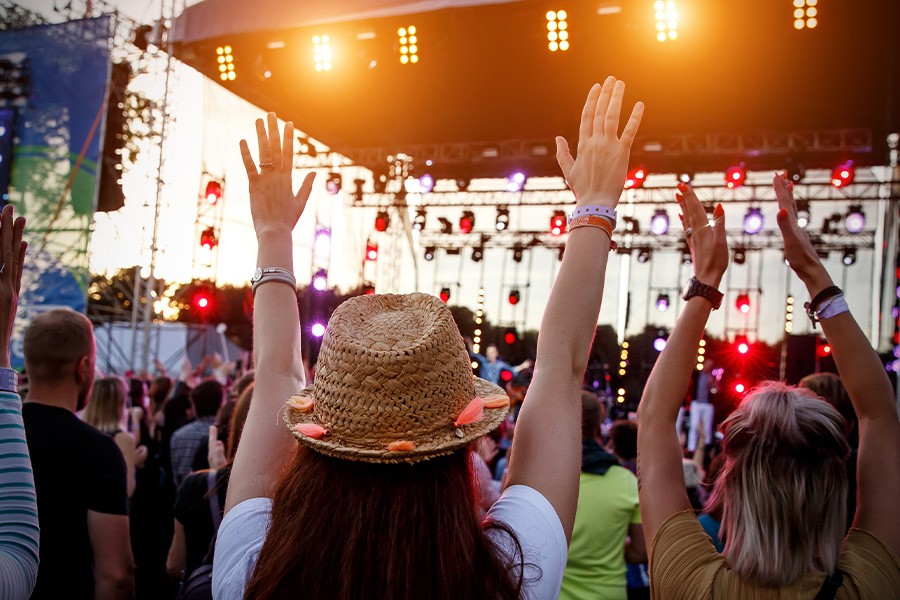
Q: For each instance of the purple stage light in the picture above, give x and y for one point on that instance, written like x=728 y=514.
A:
x=753 y=221
x=659 y=222
x=318 y=329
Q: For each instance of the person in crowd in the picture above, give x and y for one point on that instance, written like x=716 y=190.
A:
x=701 y=409
x=106 y=412
x=623 y=443
x=79 y=472
x=491 y=365
x=201 y=497
x=19 y=532
x=783 y=485
x=377 y=498
x=830 y=387
x=607 y=523
x=206 y=399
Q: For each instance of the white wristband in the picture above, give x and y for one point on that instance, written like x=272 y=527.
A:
x=834 y=307
x=595 y=210
x=9 y=380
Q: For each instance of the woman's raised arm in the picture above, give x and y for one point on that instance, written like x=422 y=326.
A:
x=546 y=453
x=266 y=444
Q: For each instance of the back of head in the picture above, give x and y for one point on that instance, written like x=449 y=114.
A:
x=207 y=398
x=783 y=486
x=159 y=391
x=54 y=343
x=592 y=415
x=106 y=408
x=623 y=435
x=401 y=531
x=830 y=387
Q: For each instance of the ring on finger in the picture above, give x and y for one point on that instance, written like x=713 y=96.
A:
x=266 y=165
x=688 y=232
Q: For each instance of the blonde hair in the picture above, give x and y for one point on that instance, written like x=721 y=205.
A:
x=783 y=489
x=106 y=409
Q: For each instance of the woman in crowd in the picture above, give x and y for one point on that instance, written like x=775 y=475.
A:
x=19 y=533
x=782 y=488
x=106 y=411
x=376 y=500
x=201 y=497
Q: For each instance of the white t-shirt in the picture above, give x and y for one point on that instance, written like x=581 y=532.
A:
x=523 y=509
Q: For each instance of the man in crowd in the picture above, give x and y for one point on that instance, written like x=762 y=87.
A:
x=79 y=473
x=206 y=399
x=491 y=365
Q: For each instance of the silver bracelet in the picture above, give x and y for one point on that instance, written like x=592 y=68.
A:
x=269 y=277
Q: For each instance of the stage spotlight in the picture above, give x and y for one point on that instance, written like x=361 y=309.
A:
x=318 y=329
x=740 y=387
x=796 y=172
x=467 y=221
x=208 y=238
x=659 y=222
x=320 y=280
x=429 y=253
x=631 y=225
x=659 y=344
x=557 y=30
x=843 y=174
x=735 y=176
x=686 y=259
x=445 y=295
x=685 y=177
x=635 y=178
x=742 y=304
x=515 y=182
x=849 y=257
x=502 y=222
x=477 y=253
x=662 y=302
x=382 y=221
x=643 y=255
x=426 y=183
x=462 y=185
x=225 y=59
x=805 y=14
x=333 y=183
x=408 y=43
x=368 y=289
x=446 y=225
x=322 y=52
x=558 y=222
x=740 y=256
x=514 y=296
x=666 y=20
x=802 y=213
x=517 y=252
x=371 y=251
x=742 y=344
x=214 y=192
x=419 y=220
x=753 y=221
x=855 y=219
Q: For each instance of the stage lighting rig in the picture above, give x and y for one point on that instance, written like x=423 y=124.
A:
x=426 y=183
x=855 y=219
x=643 y=255
x=407 y=38
x=382 y=221
x=446 y=225
x=802 y=213
x=477 y=253
x=467 y=221
x=502 y=222
x=462 y=184
x=631 y=225
x=735 y=176
x=740 y=256
x=371 y=251
x=663 y=302
x=742 y=344
x=226 y=63
x=659 y=222
x=517 y=251
x=320 y=280
x=843 y=174
x=445 y=295
x=849 y=257
x=742 y=304
x=805 y=14
x=419 y=220
x=514 y=296
x=322 y=55
x=558 y=222
x=635 y=178
x=666 y=20
x=516 y=182
x=557 y=30
x=686 y=176
x=429 y=253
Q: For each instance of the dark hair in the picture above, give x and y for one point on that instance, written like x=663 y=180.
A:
x=623 y=435
x=238 y=418
x=592 y=413
x=161 y=388
x=207 y=398
x=352 y=530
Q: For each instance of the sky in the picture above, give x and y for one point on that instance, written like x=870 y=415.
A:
x=208 y=123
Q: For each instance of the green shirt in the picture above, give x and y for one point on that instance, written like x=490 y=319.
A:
x=607 y=505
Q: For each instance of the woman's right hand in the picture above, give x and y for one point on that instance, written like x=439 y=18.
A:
x=273 y=204
x=798 y=249
x=597 y=175
x=12 y=262
x=708 y=244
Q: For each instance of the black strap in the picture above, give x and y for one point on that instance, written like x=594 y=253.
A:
x=830 y=586
x=213 y=498
x=823 y=296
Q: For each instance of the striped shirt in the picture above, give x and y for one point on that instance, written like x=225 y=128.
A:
x=18 y=505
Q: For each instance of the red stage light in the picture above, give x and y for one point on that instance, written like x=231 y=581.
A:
x=742 y=344
x=382 y=221
x=635 y=178
x=506 y=375
x=739 y=387
x=368 y=289
x=213 y=192
x=823 y=348
x=514 y=297
x=444 y=295
x=558 y=222
x=510 y=337
x=735 y=176
x=843 y=174
x=467 y=221
x=742 y=304
x=208 y=238
x=202 y=300
x=371 y=251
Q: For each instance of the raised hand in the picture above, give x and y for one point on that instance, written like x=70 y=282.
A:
x=798 y=249
x=12 y=262
x=215 y=450
x=597 y=175
x=708 y=244
x=273 y=204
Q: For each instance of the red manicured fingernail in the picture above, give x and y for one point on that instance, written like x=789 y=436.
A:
x=678 y=197
x=682 y=186
x=719 y=211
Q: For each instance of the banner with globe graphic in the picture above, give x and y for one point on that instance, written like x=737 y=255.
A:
x=60 y=76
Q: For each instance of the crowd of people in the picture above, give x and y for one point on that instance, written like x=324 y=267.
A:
x=397 y=474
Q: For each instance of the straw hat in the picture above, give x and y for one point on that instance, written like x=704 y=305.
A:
x=393 y=384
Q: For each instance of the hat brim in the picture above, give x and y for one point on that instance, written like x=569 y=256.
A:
x=444 y=440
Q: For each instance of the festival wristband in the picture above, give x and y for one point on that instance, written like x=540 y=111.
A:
x=594 y=210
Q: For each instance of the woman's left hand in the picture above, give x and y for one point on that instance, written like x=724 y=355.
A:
x=12 y=259
x=707 y=242
x=273 y=204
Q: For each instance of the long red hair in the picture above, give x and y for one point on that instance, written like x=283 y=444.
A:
x=357 y=531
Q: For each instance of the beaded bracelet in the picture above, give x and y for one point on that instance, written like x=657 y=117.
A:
x=594 y=210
